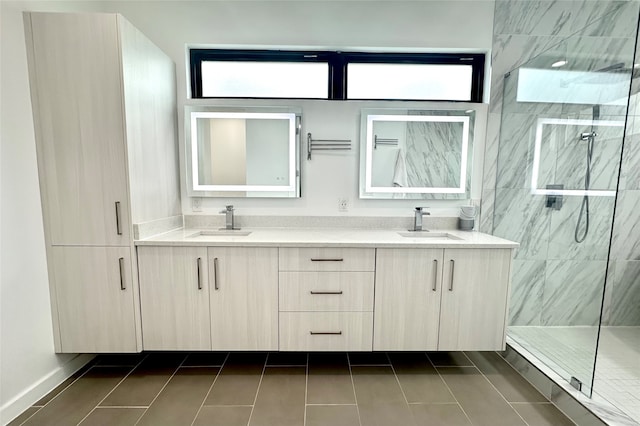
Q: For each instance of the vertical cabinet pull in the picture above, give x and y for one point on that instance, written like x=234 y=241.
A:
x=199 y=278
x=453 y=264
x=215 y=273
x=118 y=226
x=435 y=275
x=123 y=286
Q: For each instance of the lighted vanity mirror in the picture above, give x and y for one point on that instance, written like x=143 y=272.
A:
x=243 y=153
x=416 y=154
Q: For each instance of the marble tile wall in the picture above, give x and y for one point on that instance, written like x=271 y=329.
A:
x=428 y=143
x=556 y=281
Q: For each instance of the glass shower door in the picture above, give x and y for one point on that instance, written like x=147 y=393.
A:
x=559 y=159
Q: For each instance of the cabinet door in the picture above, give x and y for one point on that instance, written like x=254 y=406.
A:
x=474 y=299
x=94 y=295
x=76 y=85
x=174 y=295
x=407 y=299
x=244 y=298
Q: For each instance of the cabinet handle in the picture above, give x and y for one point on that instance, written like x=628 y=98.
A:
x=199 y=280
x=325 y=292
x=316 y=333
x=435 y=275
x=326 y=260
x=453 y=264
x=215 y=273
x=123 y=286
x=118 y=228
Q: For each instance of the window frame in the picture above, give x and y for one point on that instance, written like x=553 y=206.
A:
x=337 y=62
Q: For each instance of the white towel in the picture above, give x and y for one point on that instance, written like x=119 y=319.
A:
x=400 y=171
x=384 y=163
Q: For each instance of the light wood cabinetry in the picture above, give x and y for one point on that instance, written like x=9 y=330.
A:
x=95 y=289
x=103 y=99
x=434 y=299
x=326 y=331
x=326 y=299
x=216 y=298
x=326 y=291
x=80 y=127
x=174 y=295
x=473 y=310
x=244 y=298
x=327 y=259
x=257 y=298
x=407 y=303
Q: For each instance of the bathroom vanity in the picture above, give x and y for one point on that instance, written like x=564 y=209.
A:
x=323 y=290
x=104 y=104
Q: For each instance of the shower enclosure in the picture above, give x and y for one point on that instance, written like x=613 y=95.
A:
x=567 y=174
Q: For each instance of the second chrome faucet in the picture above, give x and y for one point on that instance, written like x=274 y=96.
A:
x=417 y=221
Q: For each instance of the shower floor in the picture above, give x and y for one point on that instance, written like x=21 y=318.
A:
x=571 y=350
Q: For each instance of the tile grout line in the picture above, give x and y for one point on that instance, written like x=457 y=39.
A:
x=339 y=405
x=210 y=388
x=395 y=375
x=106 y=407
x=163 y=388
x=503 y=397
x=353 y=388
x=112 y=389
x=92 y=362
x=253 y=407
x=27 y=419
x=455 y=398
x=306 y=391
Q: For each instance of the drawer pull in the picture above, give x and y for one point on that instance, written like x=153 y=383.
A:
x=316 y=333
x=215 y=274
x=326 y=260
x=326 y=292
x=118 y=228
x=435 y=275
x=121 y=266
x=453 y=264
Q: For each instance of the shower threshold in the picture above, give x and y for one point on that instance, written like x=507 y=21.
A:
x=610 y=409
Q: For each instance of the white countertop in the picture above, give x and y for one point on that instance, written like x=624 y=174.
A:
x=327 y=237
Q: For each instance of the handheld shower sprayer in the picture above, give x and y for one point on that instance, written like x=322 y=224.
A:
x=589 y=137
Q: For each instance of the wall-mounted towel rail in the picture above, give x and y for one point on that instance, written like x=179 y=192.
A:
x=326 y=145
x=383 y=141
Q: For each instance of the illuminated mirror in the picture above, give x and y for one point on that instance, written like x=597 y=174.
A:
x=243 y=154
x=422 y=154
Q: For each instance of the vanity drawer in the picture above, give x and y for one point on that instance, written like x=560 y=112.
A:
x=327 y=259
x=326 y=291
x=326 y=331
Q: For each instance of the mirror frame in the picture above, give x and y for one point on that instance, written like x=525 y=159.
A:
x=368 y=191
x=196 y=189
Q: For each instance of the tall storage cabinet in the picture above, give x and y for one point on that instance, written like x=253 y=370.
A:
x=104 y=106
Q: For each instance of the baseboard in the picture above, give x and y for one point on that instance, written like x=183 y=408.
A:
x=46 y=384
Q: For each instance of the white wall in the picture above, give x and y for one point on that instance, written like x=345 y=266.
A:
x=28 y=364
x=341 y=25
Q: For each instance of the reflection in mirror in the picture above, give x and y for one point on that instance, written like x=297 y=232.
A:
x=244 y=154
x=416 y=154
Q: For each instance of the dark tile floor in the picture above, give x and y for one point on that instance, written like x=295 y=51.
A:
x=282 y=389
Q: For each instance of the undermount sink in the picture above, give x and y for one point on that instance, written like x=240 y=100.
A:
x=220 y=232
x=428 y=234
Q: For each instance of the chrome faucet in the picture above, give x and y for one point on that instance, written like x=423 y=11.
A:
x=417 y=223
x=229 y=218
